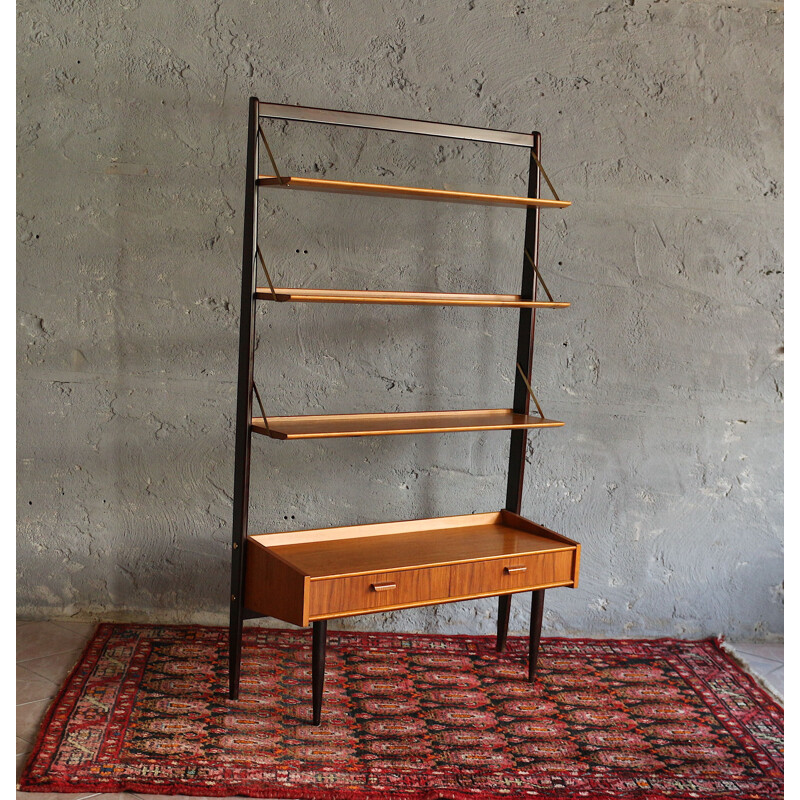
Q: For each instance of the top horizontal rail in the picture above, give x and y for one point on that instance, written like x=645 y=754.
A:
x=397 y=124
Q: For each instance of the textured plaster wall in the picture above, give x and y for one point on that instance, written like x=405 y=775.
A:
x=661 y=121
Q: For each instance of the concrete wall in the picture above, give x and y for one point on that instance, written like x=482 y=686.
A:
x=661 y=121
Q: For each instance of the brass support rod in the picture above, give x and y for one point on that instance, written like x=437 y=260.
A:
x=272 y=158
x=530 y=390
x=541 y=169
x=539 y=276
x=266 y=272
x=260 y=405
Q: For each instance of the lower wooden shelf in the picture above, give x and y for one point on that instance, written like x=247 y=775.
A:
x=337 y=425
x=304 y=576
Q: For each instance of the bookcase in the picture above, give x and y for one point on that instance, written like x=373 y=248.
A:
x=310 y=576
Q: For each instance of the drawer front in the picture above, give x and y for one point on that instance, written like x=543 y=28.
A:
x=380 y=590
x=514 y=573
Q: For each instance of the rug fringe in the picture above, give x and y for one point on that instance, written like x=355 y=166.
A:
x=730 y=651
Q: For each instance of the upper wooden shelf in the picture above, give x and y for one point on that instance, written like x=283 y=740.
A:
x=446 y=195
x=401 y=298
x=338 y=425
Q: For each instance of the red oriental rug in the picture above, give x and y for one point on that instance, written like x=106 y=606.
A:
x=411 y=717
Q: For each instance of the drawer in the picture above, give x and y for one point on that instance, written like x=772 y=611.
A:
x=331 y=596
x=513 y=573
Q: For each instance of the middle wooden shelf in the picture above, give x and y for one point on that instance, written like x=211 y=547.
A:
x=297 y=295
x=337 y=425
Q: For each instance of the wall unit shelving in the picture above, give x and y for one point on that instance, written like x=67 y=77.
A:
x=307 y=577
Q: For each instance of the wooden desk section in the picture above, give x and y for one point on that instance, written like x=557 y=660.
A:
x=306 y=576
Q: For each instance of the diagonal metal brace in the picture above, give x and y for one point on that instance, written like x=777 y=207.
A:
x=272 y=158
x=530 y=390
x=266 y=271
x=260 y=405
x=541 y=169
x=539 y=276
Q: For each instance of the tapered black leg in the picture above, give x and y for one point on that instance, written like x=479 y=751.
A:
x=235 y=652
x=503 y=613
x=318 y=667
x=537 y=608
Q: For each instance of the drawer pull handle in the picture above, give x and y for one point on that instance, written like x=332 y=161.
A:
x=382 y=587
x=512 y=570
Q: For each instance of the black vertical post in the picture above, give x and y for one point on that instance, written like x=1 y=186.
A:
x=527 y=324
x=244 y=402
x=318 y=641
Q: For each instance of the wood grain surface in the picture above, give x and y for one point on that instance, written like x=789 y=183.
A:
x=401 y=298
x=379 y=189
x=339 y=425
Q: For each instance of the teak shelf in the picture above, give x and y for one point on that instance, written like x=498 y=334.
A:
x=401 y=298
x=331 y=425
x=309 y=576
x=384 y=190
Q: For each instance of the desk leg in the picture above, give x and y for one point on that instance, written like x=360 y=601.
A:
x=537 y=608
x=235 y=650
x=503 y=613
x=318 y=667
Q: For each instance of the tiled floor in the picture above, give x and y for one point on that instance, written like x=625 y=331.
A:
x=46 y=651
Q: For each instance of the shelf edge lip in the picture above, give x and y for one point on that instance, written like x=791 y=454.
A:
x=355 y=119
x=278 y=541
x=421 y=193
x=377 y=297
x=451 y=521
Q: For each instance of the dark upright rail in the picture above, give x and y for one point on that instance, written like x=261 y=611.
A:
x=522 y=399
x=244 y=403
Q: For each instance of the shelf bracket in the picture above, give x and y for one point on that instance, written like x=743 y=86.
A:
x=266 y=271
x=539 y=276
x=261 y=405
x=530 y=391
x=544 y=174
x=272 y=158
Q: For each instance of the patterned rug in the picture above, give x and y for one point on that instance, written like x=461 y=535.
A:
x=408 y=716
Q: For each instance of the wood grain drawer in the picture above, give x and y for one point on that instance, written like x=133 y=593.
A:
x=514 y=573
x=378 y=591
